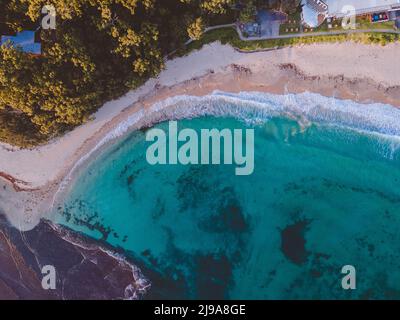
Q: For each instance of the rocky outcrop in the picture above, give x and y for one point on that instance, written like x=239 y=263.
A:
x=84 y=268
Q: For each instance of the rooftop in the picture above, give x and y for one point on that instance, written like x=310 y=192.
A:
x=24 y=40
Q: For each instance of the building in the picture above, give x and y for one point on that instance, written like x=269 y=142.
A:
x=316 y=11
x=25 y=40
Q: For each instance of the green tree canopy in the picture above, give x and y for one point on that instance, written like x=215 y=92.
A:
x=99 y=50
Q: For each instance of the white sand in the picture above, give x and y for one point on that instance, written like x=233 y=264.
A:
x=47 y=163
x=40 y=165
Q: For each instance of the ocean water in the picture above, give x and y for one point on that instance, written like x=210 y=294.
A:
x=324 y=194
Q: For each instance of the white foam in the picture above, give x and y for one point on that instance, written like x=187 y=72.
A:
x=376 y=118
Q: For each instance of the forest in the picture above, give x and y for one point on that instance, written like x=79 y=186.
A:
x=98 y=51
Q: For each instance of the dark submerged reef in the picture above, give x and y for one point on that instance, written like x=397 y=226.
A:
x=85 y=269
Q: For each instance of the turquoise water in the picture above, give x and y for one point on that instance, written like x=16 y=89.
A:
x=324 y=194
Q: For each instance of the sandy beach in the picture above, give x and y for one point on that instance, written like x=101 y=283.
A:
x=364 y=73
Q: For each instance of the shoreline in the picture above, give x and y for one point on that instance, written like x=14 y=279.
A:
x=276 y=72
x=114 y=275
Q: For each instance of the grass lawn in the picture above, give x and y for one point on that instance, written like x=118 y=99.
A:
x=363 y=23
x=336 y=25
x=289 y=28
x=229 y=36
x=292 y=25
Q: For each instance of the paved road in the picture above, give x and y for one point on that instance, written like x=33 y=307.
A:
x=287 y=36
x=311 y=34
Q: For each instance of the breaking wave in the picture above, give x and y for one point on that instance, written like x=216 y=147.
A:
x=379 y=120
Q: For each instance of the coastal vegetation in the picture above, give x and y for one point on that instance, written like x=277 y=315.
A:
x=99 y=50
x=229 y=35
x=248 y=12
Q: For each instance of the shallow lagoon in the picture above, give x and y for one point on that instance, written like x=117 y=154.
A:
x=323 y=194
